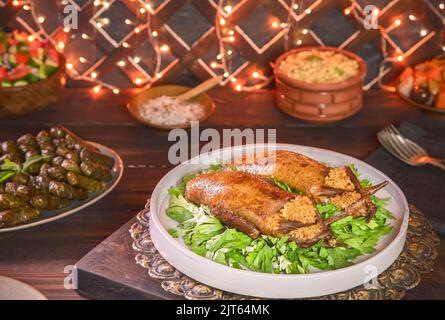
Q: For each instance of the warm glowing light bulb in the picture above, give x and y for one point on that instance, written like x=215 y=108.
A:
x=106 y=4
x=100 y=24
x=305 y=31
x=299 y=42
x=238 y=87
x=26 y=7
x=255 y=74
x=308 y=11
x=275 y=24
x=231 y=39
x=229 y=52
x=61 y=45
x=283 y=25
x=126 y=45
x=116 y=91
x=97 y=88
x=347 y=11
x=41 y=19
x=226 y=74
x=137 y=30
x=82 y=60
x=96 y=3
x=228 y=9
x=213 y=64
x=376 y=12
x=142 y=10
x=296 y=6
x=15 y=3
x=128 y=21
x=400 y=58
x=164 y=48
x=85 y=36
x=231 y=32
x=412 y=17
x=423 y=32
x=69 y=66
x=441 y=6
x=222 y=21
x=233 y=79
x=30 y=38
x=106 y=21
x=137 y=81
x=66 y=29
x=154 y=34
x=398 y=22
x=137 y=59
x=121 y=63
x=93 y=75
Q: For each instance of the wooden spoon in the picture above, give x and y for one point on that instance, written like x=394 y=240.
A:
x=196 y=91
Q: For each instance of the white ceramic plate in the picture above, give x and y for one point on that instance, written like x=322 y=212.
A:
x=277 y=285
x=11 y=289
x=75 y=206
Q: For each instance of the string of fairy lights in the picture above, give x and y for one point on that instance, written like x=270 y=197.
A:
x=226 y=35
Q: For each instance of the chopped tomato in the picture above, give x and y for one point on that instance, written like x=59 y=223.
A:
x=12 y=42
x=3 y=73
x=34 y=45
x=2 y=48
x=21 y=58
x=19 y=72
x=52 y=55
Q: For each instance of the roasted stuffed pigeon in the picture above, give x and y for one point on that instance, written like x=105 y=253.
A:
x=254 y=206
x=337 y=185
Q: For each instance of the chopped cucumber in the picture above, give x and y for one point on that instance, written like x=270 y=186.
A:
x=6 y=84
x=20 y=83
x=42 y=72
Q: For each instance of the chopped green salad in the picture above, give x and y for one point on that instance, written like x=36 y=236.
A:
x=208 y=237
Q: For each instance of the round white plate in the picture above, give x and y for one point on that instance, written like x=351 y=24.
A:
x=75 y=206
x=277 y=285
x=11 y=289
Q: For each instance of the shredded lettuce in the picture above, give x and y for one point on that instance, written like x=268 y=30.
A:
x=208 y=237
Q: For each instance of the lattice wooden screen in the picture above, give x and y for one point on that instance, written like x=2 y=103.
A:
x=187 y=28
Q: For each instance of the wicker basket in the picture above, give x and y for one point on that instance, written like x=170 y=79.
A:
x=17 y=101
x=319 y=102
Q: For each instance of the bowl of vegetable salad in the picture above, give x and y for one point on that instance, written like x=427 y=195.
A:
x=32 y=74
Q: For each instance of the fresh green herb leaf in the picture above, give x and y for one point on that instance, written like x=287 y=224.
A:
x=365 y=183
x=286 y=187
x=32 y=160
x=5 y=175
x=327 y=210
x=173 y=232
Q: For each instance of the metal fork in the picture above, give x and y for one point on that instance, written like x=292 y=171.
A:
x=405 y=149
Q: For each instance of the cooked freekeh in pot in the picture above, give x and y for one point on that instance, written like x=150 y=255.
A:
x=46 y=172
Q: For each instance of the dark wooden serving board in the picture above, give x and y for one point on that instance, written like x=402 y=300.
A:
x=109 y=271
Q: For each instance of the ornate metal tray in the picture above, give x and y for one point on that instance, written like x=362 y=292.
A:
x=417 y=258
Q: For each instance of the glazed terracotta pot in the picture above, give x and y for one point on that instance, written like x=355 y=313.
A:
x=319 y=102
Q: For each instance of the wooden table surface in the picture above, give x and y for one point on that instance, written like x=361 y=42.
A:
x=38 y=256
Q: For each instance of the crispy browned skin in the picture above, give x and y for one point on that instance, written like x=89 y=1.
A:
x=324 y=184
x=294 y=169
x=254 y=206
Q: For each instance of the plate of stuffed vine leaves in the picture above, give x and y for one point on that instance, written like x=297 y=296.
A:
x=51 y=175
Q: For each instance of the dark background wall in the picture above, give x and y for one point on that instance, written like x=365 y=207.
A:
x=187 y=27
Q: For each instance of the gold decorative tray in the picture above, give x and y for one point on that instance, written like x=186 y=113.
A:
x=404 y=274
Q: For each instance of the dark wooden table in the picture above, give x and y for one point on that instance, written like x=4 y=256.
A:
x=38 y=256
